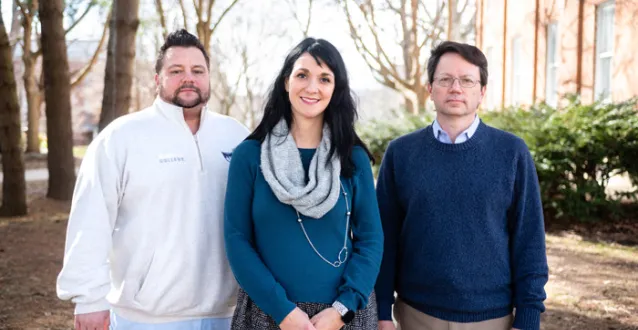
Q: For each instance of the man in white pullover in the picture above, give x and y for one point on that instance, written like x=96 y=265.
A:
x=144 y=245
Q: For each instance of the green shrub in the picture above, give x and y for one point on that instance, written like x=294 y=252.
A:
x=576 y=149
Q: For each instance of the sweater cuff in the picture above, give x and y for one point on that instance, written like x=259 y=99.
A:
x=97 y=306
x=527 y=318
x=348 y=299
x=384 y=309
x=279 y=314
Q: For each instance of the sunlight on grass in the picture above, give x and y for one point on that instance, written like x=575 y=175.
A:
x=576 y=243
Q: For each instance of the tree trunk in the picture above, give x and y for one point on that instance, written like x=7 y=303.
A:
x=31 y=88
x=58 y=101
x=14 y=201
x=118 y=77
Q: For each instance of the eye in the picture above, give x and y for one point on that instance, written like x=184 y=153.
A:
x=445 y=80
x=198 y=71
x=175 y=72
x=325 y=80
x=301 y=75
x=467 y=81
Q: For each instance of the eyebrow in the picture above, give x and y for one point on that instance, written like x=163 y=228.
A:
x=199 y=66
x=323 y=74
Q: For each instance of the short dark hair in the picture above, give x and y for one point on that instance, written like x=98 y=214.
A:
x=470 y=53
x=340 y=114
x=179 y=38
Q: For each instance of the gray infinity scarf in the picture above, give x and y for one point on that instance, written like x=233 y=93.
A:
x=283 y=170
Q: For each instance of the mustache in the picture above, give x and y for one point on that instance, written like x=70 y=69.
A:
x=189 y=87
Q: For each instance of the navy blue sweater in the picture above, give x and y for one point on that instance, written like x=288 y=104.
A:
x=463 y=226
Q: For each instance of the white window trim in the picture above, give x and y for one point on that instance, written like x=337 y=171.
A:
x=598 y=87
x=551 y=96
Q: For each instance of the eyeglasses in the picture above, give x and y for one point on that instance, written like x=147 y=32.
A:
x=449 y=81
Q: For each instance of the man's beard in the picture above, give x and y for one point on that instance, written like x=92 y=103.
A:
x=178 y=101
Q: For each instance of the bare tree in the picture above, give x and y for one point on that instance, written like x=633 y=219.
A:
x=14 y=201
x=396 y=56
x=14 y=34
x=205 y=25
x=304 y=22
x=57 y=83
x=118 y=76
x=30 y=56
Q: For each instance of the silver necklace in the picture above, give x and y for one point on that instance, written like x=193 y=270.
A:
x=343 y=253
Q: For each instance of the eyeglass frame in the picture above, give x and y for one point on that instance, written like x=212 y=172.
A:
x=437 y=80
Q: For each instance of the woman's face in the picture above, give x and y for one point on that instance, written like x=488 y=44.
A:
x=310 y=87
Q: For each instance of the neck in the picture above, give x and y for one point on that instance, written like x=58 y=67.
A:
x=193 y=116
x=454 y=125
x=307 y=133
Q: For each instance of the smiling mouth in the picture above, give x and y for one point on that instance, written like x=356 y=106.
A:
x=309 y=100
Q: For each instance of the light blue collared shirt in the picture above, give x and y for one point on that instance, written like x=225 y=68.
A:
x=443 y=137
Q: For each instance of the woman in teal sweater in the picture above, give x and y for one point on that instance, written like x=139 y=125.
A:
x=302 y=227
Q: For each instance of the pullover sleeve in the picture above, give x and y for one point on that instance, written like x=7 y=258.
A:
x=364 y=261
x=85 y=277
x=392 y=216
x=248 y=267
x=527 y=245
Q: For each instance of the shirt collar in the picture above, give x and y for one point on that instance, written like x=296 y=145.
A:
x=442 y=136
x=175 y=113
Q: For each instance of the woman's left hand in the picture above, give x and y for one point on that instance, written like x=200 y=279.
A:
x=327 y=319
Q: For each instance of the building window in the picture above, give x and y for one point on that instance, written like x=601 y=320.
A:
x=604 y=50
x=517 y=71
x=551 y=74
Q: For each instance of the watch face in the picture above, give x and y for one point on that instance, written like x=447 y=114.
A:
x=348 y=317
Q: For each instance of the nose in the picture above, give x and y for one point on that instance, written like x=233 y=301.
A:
x=456 y=86
x=312 y=86
x=188 y=76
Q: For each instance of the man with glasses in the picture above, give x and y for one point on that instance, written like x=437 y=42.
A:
x=461 y=213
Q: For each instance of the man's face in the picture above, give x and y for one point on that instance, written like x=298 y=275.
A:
x=456 y=100
x=184 y=78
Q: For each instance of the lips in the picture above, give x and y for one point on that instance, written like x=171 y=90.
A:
x=309 y=100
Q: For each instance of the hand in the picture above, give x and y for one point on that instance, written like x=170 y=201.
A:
x=92 y=321
x=387 y=325
x=296 y=320
x=327 y=319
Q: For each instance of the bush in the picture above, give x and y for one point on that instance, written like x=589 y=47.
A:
x=576 y=149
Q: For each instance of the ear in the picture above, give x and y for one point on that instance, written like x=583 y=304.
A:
x=429 y=87
x=157 y=80
x=483 y=90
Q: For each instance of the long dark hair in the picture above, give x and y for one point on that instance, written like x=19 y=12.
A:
x=340 y=114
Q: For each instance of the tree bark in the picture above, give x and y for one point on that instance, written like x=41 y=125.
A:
x=31 y=88
x=58 y=101
x=118 y=77
x=14 y=201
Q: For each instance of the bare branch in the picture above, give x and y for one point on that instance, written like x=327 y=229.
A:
x=85 y=71
x=219 y=20
x=160 y=13
x=181 y=4
x=86 y=11
x=209 y=10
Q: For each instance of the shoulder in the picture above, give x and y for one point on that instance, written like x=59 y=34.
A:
x=407 y=142
x=227 y=122
x=126 y=129
x=247 y=151
x=506 y=141
x=360 y=157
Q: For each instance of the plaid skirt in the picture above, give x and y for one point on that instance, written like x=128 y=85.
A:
x=250 y=317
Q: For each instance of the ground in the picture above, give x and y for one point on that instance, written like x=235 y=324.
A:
x=593 y=283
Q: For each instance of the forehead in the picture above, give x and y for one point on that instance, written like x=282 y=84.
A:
x=306 y=61
x=186 y=56
x=454 y=64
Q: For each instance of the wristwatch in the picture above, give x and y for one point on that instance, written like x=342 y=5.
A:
x=346 y=315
